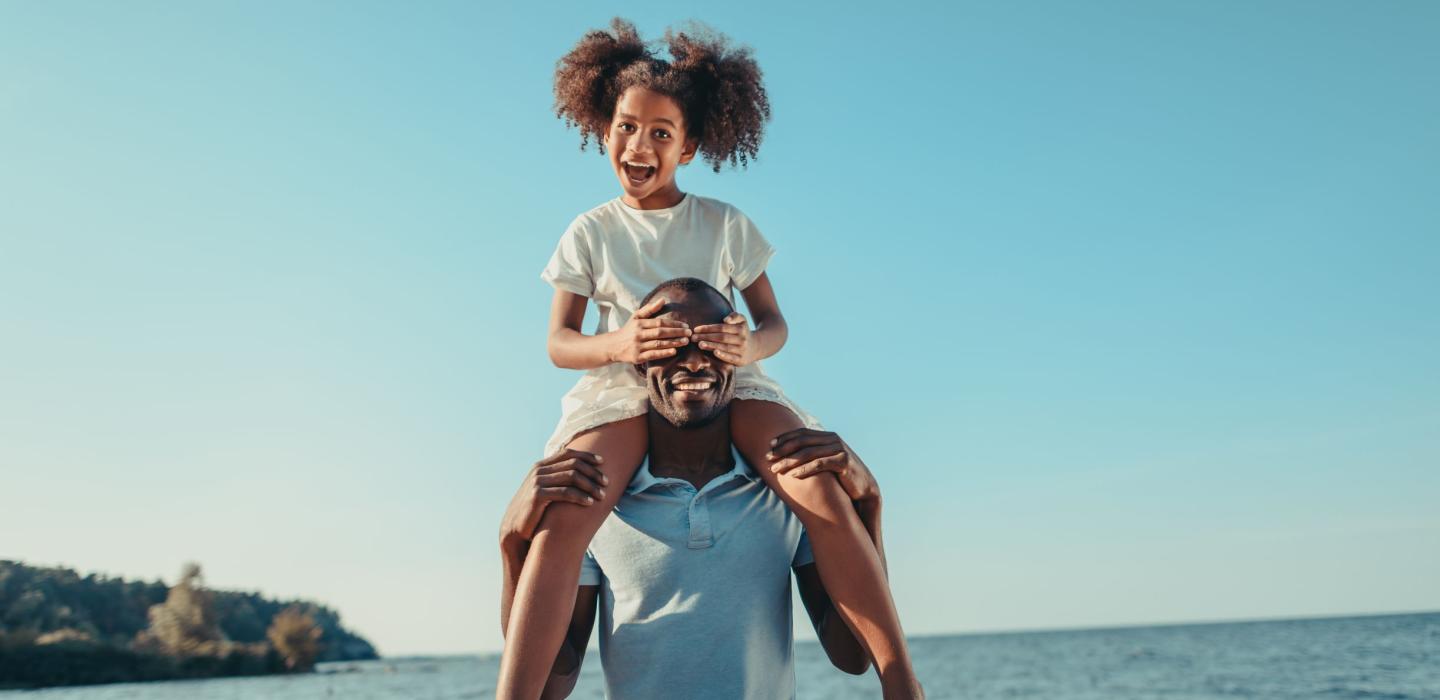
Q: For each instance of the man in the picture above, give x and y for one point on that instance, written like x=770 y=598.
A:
x=692 y=569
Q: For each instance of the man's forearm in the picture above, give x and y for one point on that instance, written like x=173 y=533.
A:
x=566 y=671
x=869 y=512
x=512 y=560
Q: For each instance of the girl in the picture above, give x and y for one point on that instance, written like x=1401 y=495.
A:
x=652 y=116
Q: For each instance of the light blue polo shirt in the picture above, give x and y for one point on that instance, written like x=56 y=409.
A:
x=695 y=588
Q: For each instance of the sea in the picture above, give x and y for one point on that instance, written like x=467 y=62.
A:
x=1390 y=657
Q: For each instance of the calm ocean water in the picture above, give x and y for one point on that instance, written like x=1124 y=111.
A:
x=1394 y=657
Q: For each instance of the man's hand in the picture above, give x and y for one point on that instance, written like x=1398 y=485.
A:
x=569 y=476
x=643 y=338
x=730 y=341
x=804 y=453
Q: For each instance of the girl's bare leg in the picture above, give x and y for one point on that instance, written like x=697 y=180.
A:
x=848 y=563
x=545 y=594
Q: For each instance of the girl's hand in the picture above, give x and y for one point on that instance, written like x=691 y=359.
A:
x=729 y=341
x=804 y=453
x=569 y=476
x=643 y=338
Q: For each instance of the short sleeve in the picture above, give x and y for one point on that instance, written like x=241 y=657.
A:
x=590 y=572
x=748 y=251
x=803 y=553
x=570 y=267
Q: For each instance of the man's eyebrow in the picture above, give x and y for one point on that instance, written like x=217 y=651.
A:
x=631 y=117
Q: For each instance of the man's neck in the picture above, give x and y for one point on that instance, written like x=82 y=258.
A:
x=696 y=455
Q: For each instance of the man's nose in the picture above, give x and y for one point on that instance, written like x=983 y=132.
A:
x=692 y=358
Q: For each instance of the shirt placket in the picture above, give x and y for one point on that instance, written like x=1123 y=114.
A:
x=701 y=535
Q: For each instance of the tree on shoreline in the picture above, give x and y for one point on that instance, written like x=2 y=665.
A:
x=185 y=624
x=296 y=637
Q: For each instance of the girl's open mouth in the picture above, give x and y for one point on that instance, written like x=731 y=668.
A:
x=638 y=174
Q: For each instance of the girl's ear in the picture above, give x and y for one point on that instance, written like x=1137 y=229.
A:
x=687 y=152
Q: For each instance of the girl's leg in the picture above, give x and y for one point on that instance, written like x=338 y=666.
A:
x=848 y=563
x=545 y=594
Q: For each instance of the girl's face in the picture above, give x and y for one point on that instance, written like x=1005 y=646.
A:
x=646 y=143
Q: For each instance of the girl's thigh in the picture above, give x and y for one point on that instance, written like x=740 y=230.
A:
x=622 y=445
x=753 y=424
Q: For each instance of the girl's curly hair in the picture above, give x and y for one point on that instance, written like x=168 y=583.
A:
x=718 y=87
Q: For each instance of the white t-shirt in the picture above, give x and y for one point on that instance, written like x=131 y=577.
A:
x=615 y=255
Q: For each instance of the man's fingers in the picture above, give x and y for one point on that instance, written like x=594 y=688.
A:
x=808 y=454
x=572 y=478
x=649 y=355
x=788 y=443
x=651 y=308
x=567 y=494
x=586 y=468
x=833 y=463
x=735 y=317
x=782 y=437
x=563 y=455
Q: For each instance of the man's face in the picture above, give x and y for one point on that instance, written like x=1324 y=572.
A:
x=691 y=387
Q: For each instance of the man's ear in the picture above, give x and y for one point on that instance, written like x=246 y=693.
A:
x=687 y=152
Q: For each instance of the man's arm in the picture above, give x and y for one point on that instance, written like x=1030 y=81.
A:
x=569 y=476
x=803 y=454
x=572 y=652
x=566 y=669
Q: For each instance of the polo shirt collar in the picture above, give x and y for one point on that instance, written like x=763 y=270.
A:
x=644 y=479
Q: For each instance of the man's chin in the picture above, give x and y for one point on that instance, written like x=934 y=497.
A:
x=690 y=418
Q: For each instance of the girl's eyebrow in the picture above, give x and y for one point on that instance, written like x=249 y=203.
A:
x=632 y=117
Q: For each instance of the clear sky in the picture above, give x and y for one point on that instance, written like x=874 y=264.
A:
x=1131 y=306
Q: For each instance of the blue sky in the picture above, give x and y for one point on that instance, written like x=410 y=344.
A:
x=1130 y=306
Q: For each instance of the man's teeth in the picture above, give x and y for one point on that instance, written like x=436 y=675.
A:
x=693 y=386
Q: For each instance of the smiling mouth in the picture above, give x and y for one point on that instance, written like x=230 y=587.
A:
x=691 y=389
x=638 y=173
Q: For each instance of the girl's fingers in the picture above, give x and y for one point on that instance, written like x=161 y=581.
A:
x=729 y=357
x=808 y=454
x=659 y=332
x=663 y=331
x=735 y=348
x=661 y=344
x=651 y=308
x=566 y=494
x=721 y=329
x=784 y=446
x=649 y=355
